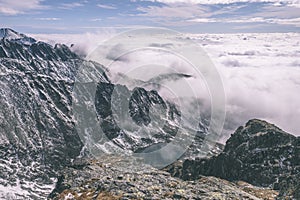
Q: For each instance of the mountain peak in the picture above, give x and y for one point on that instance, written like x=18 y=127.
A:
x=257 y=130
x=10 y=34
x=16 y=45
x=257 y=125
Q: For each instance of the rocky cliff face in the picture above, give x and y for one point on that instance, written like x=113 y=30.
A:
x=37 y=130
x=259 y=153
x=138 y=130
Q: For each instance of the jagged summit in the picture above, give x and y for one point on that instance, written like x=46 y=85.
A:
x=261 y=132
x=18 y=46
x=255 y=125
x=9 y=34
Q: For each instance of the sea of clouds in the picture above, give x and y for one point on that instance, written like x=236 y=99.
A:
x=260 y=72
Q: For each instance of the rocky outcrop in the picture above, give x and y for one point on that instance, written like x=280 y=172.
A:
x=259 y=153
x=134 y=128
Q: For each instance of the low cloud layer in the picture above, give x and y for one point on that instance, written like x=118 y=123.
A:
x=260 y=72
x=82 y=44
x=261 y=76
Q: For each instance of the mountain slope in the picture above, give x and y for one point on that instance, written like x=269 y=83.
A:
x=37 y=129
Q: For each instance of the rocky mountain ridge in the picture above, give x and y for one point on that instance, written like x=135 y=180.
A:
x=259 y=153
x=37 y=127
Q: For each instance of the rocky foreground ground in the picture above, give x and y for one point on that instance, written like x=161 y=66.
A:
x=114 y=177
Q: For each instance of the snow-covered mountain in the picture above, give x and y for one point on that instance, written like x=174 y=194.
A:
x=36 y=125
x=41 y=143
x=12 y=35
x=37 y=129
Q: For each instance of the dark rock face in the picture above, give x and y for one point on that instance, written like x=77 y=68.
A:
x=259 y=153
x=139 y=121
x=134 y=108
x=103 y=108
x=140 y=103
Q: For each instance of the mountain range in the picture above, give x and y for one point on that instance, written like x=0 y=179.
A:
x=43 y=153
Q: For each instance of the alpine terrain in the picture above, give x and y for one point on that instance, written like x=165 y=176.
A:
x=46 y=152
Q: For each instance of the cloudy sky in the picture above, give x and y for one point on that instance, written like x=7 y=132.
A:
x=193 y=16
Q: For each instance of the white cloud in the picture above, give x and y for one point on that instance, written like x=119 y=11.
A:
x=279 y=12
x=49 y=19
x=293 y=21
x=83 y=43
x=261 y=76
x=184 y=11
x=260 y=73
x=96 y=20
x=71 y=5
x=290 y=21
x=203 y=20
x=14 y=7
x=174 y=11
x=231 y=20
x=211 y=2
x=182 y=14
x=106 y=6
